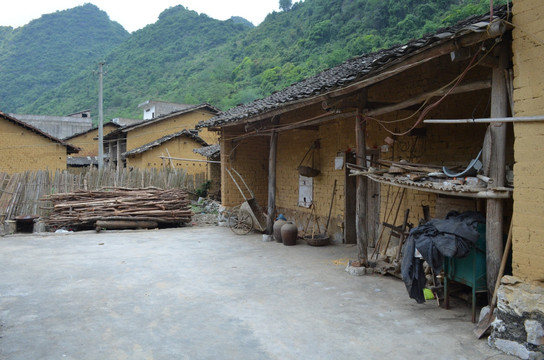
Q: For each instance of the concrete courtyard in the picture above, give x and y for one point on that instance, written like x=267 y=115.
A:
x=206 y=293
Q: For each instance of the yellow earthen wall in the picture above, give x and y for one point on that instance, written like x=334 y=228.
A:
x=334 y=137
x=181 y=147
x=528 y=230
x=22 y=150
x=146 y=134
x=88 y=142
x=250 y=158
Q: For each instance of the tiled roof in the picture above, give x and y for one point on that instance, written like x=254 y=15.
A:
x=124 y=129
x=211 y=151
x=350 y=72
x=71 y=148
x=164 y=139
x=92 y=129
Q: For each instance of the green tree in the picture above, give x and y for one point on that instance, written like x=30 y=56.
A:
x=285 y=4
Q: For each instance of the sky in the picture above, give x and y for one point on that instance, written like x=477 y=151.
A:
x=134 y=15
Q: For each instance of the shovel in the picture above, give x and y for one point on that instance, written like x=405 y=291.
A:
x=486 y=321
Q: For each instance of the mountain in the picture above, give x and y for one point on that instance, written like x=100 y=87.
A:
x=191 y=58
x=50 y=51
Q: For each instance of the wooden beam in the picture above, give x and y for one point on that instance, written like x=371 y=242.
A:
x=495 y=151
x=362 y=188
x=317 y=120
x=272 y=182
x=474 y=86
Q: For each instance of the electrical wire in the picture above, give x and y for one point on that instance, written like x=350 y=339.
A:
x=456 y=81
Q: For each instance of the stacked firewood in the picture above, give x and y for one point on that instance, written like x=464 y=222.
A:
x=117 y=206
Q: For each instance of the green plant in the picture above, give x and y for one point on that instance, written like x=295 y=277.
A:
x=202 y=190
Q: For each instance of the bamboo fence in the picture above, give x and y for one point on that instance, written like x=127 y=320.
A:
x=21 y=194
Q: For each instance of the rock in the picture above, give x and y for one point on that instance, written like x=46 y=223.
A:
x=535 y=332
x=356 y=270
x=267 y=238
x=513 y=348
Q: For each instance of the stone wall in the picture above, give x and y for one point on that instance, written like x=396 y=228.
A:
x=519 y=327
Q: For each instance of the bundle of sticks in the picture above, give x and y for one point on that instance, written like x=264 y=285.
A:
x=86 y=208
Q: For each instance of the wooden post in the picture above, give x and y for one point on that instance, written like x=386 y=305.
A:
x=496 y=144
x=119 y=165
x=361 y=213
x=272 y=183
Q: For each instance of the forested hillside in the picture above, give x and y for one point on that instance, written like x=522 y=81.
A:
x=48 y=52
x=192 y=58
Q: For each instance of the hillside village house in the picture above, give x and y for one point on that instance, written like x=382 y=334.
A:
x=155 y=108
x=25 y=147
x=376 y=111
x=167 y=152
x=171 y=135
x=59 y=126
x=87 y=141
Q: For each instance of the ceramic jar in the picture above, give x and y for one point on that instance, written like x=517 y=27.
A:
x=289 y=232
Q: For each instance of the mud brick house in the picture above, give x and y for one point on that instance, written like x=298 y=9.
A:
x=169 y=150
x=59 y=126
x=171 y=136
x=133 y=136
x=458 y=95
x=155 y=108
x=25 y=147
x=87 y=141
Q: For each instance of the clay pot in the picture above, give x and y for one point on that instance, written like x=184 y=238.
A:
x=289 y=232
x=277 y=229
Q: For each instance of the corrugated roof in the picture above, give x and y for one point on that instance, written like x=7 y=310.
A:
x=164 y=139
x=350 y=72
x=70 y=148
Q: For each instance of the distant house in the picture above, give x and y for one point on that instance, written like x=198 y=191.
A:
x=143 y=133
x=154 y=108
x=59 y=126
x=87 y=141
x=173 y=151
x=24 y=147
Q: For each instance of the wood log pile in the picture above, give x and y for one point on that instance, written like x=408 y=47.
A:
x=83 y=209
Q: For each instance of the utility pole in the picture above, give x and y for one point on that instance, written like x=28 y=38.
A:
x=100 y=119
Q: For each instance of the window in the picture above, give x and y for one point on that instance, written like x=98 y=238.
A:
x=305 y=191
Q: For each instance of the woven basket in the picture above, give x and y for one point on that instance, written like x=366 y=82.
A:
x=317 y=240
x=308 y=171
